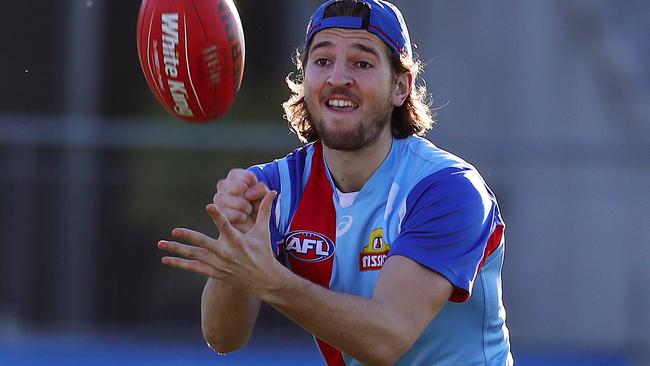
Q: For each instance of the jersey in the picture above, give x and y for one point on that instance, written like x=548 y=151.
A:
x=423 y=203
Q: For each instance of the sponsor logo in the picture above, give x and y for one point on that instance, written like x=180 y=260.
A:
x=344 y=225
x=171 y=60
x=374 y=255
x=309 y=246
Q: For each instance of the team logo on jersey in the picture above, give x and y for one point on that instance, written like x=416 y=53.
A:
x=374 y=254
x=309 y=246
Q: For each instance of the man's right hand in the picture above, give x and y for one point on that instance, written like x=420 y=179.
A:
x=239 y=196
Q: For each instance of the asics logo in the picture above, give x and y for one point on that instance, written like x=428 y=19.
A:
x=344 y=225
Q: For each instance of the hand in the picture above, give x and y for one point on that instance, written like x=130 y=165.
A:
x=244 y=261
x=238 y=197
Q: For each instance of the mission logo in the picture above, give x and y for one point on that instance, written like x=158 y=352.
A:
x=309 y=246
x=374 y=255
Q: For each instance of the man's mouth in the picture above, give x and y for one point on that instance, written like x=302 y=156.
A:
x=341 y=104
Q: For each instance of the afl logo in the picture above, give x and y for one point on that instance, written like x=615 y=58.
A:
x=309 y=246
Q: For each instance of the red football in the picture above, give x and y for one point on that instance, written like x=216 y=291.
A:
x=192 y=55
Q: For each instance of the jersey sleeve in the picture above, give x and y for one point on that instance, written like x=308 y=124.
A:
x=269 y=174
x=448 y=223
x=285 y=176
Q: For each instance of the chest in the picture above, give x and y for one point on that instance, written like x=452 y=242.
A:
x=361 y=247
x=351 y=260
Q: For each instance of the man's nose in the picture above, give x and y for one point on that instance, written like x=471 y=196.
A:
x=340 y=75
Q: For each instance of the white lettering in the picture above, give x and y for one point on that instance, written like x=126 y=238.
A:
x=365 y=262
x=319 y=248
x=170 y=24
x=177 y=87
x=373 y=262
x=171 y=66
x=308 y=244
x=294 y=244
x=179 y=94
x=170 y=41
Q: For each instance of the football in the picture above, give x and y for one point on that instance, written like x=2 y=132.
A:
x=192 y=55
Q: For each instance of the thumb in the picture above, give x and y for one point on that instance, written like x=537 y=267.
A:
x=264 y=213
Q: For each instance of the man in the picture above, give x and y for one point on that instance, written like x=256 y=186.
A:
x=384 y=247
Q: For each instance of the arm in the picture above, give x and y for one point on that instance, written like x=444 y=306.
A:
x=406 y=298
x=227 y=316
x=374 y=331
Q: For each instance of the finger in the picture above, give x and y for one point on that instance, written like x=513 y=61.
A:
x=221 y=221
x=237 y=203
x=264 y=214
x=243 y=175
x=232 y=186
x=188 y=251
x=233 y=216
x=190 y=265
x=256 y=192
x=194 y=237
x=256 y=209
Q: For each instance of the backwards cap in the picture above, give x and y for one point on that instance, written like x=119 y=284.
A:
x=385 y=21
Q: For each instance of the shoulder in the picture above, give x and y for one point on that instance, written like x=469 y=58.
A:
x=418 y=151
x=428 y=172
x=457 y=192
x=447 y=222
x=443 y=185
x=434 y=169
x=290 y=166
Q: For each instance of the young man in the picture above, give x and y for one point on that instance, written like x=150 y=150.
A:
x=384 y=247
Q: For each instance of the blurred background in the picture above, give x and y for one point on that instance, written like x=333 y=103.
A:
x=549 y=99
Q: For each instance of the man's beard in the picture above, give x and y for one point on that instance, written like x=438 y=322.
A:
x=363 y=135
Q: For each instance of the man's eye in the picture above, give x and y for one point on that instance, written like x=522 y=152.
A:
x=364 y=65
x=322 y=62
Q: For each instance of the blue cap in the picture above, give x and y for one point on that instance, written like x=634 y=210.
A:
x=386 y=22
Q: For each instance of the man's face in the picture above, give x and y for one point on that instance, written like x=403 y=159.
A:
x=349 y=88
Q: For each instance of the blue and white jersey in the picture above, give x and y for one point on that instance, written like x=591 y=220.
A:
x=422 y=203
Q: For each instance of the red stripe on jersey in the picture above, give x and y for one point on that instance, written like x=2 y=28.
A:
x=492 y=244
x=315 y=214
x=333 y=357
x=460 y=295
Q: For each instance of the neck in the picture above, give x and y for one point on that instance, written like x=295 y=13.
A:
x=350 y=170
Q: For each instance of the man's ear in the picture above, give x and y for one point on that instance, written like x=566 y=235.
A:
x=403 y=86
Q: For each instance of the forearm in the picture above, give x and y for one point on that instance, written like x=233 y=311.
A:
x=366 y=329
x=227 y=316
x=377 y=331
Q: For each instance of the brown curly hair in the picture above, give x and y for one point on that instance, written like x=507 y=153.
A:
x=414 y=117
